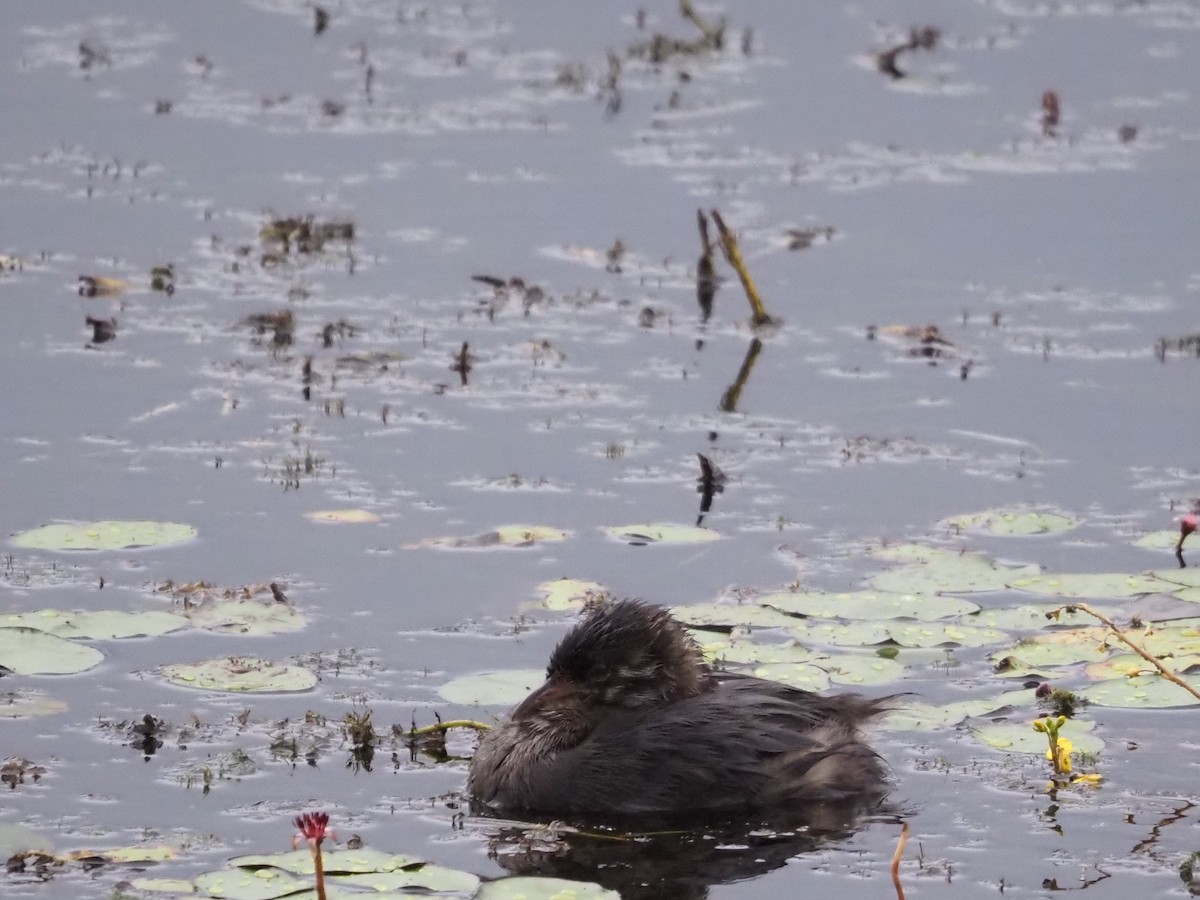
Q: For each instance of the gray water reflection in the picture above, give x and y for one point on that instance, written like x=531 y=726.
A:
x=468 y=139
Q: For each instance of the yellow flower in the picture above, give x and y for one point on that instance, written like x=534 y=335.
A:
x=1083 y=778
x=1063 y=746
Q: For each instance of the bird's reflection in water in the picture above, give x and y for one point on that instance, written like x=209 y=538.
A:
x=670 y=859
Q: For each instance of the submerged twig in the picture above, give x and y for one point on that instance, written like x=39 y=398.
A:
x=733 y=255
x=1130 y=643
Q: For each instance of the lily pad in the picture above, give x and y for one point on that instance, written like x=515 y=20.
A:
x=1187 y=578
x=797 y=675
x=1142 y=692
x=1084 y=585
x=662 y=533
x=98 y=624
x=1127 y=665
x=343 y=516
x=506 y=688
x=107 y=535
x=505 y=536
x=1159 y=540
x=841 y=634
x=250 y=617
x=244 y=884
x=300 y=862
x=1011 y=522
x=28 y=651
x=868 y=605
x=569 y=593
x=958 y=573
x=916 y=716
x=933 y=634
x=1027 y=617
x=526 y=887
x=423 y=877
x=1058 y=648
x=910 y=553
x=1019 y=737
x=26 y=704
x=752 y=653
x=240 y=674
x=727 y=616
x=861 y=669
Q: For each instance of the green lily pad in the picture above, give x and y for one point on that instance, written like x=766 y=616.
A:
x=1142 y=692
x=506 y=688
x=1179 y=639
x=177 y=886
x=917 y=716
x=1158 y=540
x=525 y=887
x=97 y=624
x=726 y=616
x=1011 y=522
x=958 y=573
x=862 y=669
x=840 y=634
x=910 y=553
x=245 y=884
x=300 y=862
x=108 y=535
x=250 y=617
x=504 y=536
x=1019 y=737
x=1188 y=578
x=1127 y=665
x=424 y=877
x=662 y=533
x=240 y=674
x=1084 y=585
x=868 y=605
x=1027 y=617
x=569 y=593
x=797 y=675
x=28 y=651
x=935 y=634
x=377 y=872
x=752 y=653
x=27 y=704
x=1058 y=648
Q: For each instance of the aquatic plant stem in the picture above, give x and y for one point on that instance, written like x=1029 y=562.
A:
x=896 y=857
x=443 y=727
x=733 y=255
x=1129 y=642
x=319 y=868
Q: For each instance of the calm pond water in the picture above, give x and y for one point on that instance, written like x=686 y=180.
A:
x=1029 y=185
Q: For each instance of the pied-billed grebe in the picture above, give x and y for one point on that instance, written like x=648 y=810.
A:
x=631 y=721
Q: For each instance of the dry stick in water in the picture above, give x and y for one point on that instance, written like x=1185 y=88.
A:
x=733 y=255
x=1129 y=642
x=896 y=857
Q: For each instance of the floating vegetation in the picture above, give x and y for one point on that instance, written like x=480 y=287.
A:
x=100 y=286
x=343 y=516
x=106 y=535
x=570 y=593
x=304 y=235
x=662 y=533
x=1011 y=522
x=240 y=674
x=28 y=651
x=504 y=536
